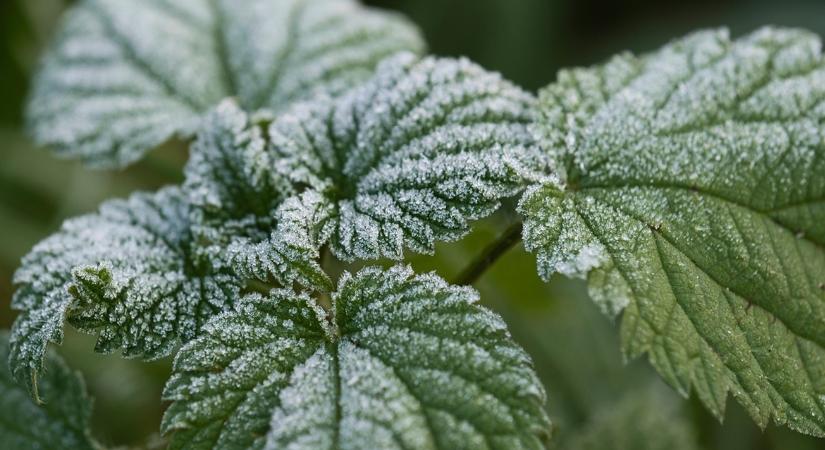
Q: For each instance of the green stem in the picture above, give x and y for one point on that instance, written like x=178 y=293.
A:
x=510 y=237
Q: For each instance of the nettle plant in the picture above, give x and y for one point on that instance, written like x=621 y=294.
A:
x=685 y=185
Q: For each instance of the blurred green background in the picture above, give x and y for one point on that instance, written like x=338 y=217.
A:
x=593 y=394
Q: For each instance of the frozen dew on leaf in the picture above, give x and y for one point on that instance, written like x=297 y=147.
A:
x=60 y=422
x=126 y=273
x=412 y=156
x=123 y=76
x=401 y=361
x=691 y=201
x=405 y=160
x=244 y=216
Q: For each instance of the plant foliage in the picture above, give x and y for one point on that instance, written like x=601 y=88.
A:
x=691 y=200
x=401 y=361
x=124 y=76
x=686 y=186
x=126 y=273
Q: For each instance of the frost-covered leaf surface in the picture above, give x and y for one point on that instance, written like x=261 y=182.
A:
x=405 y=160
x=61 y=423
x=126 y=273
x=123 y=76
x=242 y=216
x=400 y=362
x=692 y=200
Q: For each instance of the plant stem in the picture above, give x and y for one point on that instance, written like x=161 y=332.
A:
x=510 y=237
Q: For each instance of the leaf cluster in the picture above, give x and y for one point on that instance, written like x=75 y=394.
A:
x=684 y=185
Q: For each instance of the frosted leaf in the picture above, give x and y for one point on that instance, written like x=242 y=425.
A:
x=123 y=76
x=401 y=361
x=692 y=202
x=242 y=217
x=410 y=157
x=60 y=423
x=125 y=273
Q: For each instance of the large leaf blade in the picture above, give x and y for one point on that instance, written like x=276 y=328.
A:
x=409 y=158
x=689 y=199
x=123 y=77
x=404 y=362
x=126 y=273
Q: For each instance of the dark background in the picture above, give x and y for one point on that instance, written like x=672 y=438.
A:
x=574 y=347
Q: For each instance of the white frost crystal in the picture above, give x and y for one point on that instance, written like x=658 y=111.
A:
x=692 y=201
x=126 y=273
x=242 y=217
x=401 y=361
x=123 y=75
x=405 y=160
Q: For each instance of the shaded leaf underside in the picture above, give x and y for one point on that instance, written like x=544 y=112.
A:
x=61 y=423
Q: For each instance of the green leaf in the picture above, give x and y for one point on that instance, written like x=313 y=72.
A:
x=124 y=76
x=692 y=200
x=60 y=423
x=242 y=219
x=126 y=273
x=404 y=161
x=642 y=420
x=401 y=361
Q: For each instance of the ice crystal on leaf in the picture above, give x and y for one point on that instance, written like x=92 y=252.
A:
x=61 y=423
x=123 y=76
x=126 y=273
x=405 y=160
x=692 y=201
x=243 y=218
x=401 y=361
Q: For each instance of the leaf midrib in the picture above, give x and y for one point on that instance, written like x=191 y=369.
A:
x=293 y=19
x=129 y=54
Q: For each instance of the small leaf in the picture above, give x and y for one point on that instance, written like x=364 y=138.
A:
x=691 y=200
x=125 y=273
x=60 y=423
x=402 y=361
x=241 y=217
x=124 y=76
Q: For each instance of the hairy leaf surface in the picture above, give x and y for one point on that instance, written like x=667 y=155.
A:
x=692 y=200
x=123 y=76
x=402 y=361
x=126 y=273
x=405 y=160
x=61 y=423
x=242 y=216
